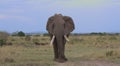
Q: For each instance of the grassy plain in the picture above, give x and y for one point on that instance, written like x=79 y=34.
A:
x=37 y=52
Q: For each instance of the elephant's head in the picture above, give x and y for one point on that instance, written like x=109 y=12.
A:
x=60 y=26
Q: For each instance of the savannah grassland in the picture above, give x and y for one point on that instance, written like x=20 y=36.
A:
x=37 y=52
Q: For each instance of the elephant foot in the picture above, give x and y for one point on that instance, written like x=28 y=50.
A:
x=65 y=59
x=60 y=60
x=55 y=59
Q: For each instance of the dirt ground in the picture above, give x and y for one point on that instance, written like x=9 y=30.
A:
x=88 y=63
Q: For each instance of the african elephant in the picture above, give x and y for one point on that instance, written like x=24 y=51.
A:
x=59 y=28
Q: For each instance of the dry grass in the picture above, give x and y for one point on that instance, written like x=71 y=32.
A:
x=25 y=56
x=80 y=48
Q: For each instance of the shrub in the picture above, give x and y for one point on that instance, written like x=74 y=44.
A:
x=35 y=40
x=113 y=38
x=27 y=38
x=20 y=33
x=109 y=53
x=100 y=33
x=46 y=34
x=3 y=37
x=2 y=42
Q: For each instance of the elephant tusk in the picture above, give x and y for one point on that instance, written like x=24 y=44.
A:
x=66 y=38
x=51 y=42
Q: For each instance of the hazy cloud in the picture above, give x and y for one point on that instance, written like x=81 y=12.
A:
x=21 y=18
x=13 y=10
x=81 y=3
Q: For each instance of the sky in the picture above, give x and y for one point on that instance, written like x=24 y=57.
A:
x=32 y=15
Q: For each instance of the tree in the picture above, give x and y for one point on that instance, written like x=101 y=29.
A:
x=20 y=33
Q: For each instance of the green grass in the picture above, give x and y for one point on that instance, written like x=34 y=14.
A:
x=26 y=53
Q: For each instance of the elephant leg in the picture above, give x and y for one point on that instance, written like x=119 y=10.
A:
x=61 y=49
x=55 y=48
x=61 y=58
x=64 y=50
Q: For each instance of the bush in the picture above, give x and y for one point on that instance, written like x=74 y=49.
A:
x=100 y=33
x=3 y=38
x=109 y=53
x=2 y=42
x=35 y=40
x=21 y=33
x=27 y=38
x=46 y=34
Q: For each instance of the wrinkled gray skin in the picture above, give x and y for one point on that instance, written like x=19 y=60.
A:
x=59 y=26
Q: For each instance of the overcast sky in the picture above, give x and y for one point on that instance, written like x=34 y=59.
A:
x=32 y=15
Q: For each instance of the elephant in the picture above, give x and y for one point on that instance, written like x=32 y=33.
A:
x=59 y=28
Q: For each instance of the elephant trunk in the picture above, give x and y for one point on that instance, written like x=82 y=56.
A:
x=53 y=38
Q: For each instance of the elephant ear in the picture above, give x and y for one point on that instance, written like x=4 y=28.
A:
x=50 y=25
x=69 y=24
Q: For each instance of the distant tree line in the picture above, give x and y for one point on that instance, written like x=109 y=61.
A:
x=104 y=33
x=22 y=34
x=96 y=33
x=19 y=33
x=4 y=35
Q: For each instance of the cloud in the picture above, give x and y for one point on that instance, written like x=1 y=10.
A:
x=12 y=10
x=39 y=4
x=82 y=3
x=5 y=17
x=5 y=1
x=52 y=4
x=16 y=6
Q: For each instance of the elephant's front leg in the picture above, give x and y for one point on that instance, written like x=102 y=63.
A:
x=64 y=49
x=55 y=48
x=61 y=51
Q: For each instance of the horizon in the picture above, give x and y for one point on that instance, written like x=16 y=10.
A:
x=32 y=15
x=44 y=32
